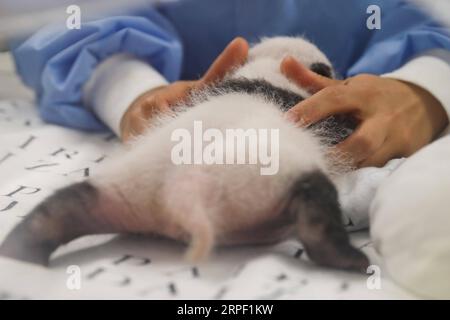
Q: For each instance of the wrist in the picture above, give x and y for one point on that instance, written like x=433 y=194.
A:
x=430 y=72
x=114 y=86
x=435 y=113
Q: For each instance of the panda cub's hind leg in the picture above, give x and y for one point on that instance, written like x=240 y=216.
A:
x=313 y=200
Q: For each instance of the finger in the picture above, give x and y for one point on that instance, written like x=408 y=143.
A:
x=386 y=152
x=137 y=121
x=364 y=142
x=379 y=159
x=152 y=106
x=304 y=77
x=133 y=128
x=234 y=55
x=329 y=101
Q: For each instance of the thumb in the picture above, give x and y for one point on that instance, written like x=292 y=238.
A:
x=304 y=77
x=234 y=55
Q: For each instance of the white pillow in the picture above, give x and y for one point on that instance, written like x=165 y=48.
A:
x=410 y=222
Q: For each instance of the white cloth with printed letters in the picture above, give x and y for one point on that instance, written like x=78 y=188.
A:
x=38 y=158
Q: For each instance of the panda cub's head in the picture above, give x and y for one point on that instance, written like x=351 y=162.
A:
x=300 y=48
x=265 y=58
x=261 y=74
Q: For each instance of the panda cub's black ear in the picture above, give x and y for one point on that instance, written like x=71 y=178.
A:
x=322 y=69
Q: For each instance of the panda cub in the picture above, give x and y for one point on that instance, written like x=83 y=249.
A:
x=143 y=190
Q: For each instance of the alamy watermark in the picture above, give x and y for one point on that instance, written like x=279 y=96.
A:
x=73 y=281
x=73 y=21
x=373 y=22
x=374 y=280
x=229 y=146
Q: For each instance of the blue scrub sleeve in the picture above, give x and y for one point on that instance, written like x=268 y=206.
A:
x=405 y=32
x=57 y=62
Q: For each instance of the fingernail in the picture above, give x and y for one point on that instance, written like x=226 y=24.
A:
x=287 y=57
x=284 y=61
x=302 y=122
x=291 y=116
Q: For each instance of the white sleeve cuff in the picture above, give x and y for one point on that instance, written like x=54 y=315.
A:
x=115 y=84
x=430 y=71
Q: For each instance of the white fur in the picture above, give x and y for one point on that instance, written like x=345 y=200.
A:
x=227 y=203
x=265 y=58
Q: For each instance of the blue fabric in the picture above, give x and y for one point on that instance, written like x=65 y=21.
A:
x=56 y=62
x=181 y=38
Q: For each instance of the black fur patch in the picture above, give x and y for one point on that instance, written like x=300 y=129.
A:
x=333 y=129
x=313 y=199
x=60 y=218
x=286 y=99
x=322 y=69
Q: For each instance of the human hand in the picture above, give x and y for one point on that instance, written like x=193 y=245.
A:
x=395 y=118
x=160 y=100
